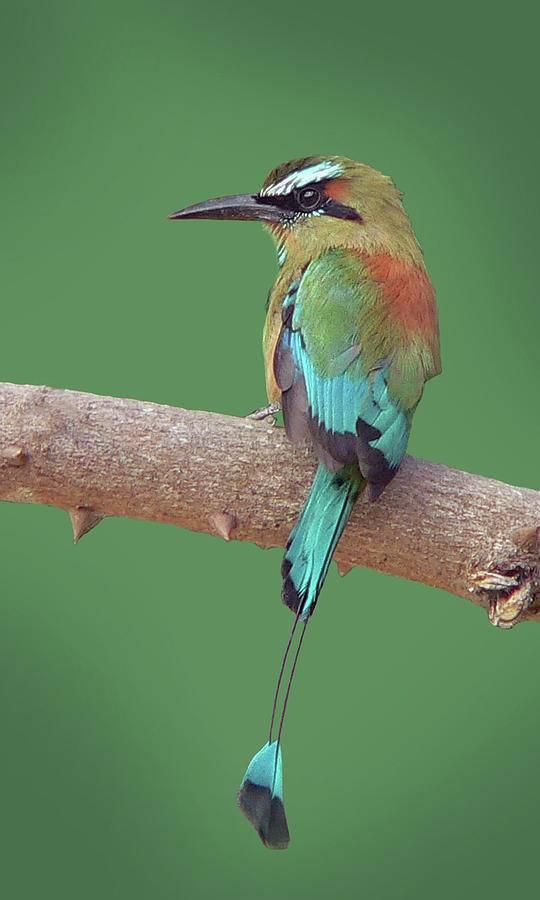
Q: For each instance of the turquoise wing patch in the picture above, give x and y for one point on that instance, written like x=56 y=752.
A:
x=348 y=411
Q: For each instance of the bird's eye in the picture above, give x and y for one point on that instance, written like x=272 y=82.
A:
x=308 y=198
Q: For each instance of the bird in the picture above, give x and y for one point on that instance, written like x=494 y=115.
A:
x=350 y=338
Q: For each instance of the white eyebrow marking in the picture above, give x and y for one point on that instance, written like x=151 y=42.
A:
x=319 y=172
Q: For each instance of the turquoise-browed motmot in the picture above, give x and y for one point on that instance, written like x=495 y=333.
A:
x=350 y=338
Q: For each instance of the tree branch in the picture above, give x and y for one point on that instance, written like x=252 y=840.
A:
x=101 y=456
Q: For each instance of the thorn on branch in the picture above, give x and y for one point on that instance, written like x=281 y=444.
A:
x=224 y=523
x=83 y=519
x=14 y=455
x=344 y=567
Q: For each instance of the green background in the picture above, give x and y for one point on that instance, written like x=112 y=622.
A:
x=138 y=667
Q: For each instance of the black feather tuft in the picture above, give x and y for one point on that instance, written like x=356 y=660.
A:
x=290 y=596
x=266 y=814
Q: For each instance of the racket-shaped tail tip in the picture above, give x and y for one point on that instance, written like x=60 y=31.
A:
x=261 y=797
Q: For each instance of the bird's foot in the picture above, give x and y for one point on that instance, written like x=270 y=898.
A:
x=266 y=412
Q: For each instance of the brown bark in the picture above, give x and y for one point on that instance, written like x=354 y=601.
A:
x=102 y=456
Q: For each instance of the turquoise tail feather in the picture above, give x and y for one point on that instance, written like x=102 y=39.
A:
x=315 y=536
x=309 y=552
x=261 y=797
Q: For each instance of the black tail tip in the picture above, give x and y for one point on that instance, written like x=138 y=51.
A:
x=266 y=814
x=289 y=594
x=286 y=565
x=296 y=600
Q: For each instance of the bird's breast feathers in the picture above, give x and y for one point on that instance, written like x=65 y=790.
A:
x=409 y=294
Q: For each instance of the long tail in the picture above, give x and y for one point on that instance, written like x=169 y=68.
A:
x=308 y=555
x=315 y=536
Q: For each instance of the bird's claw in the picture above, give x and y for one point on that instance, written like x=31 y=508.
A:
x=265 y=412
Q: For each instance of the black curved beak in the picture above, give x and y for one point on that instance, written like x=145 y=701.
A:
x=249 y=207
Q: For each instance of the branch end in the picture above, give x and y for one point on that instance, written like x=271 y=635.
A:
x=506 y=611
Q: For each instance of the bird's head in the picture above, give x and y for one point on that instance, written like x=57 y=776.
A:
x=321 y=202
